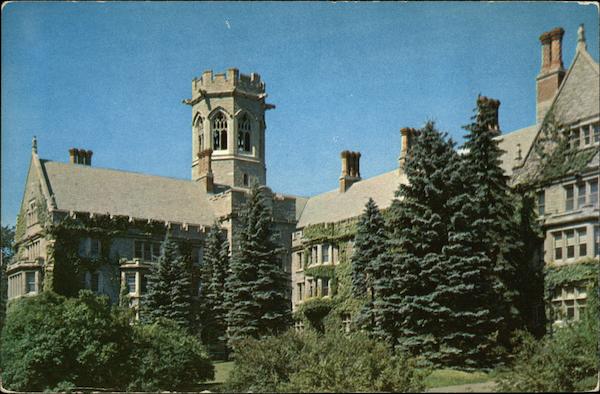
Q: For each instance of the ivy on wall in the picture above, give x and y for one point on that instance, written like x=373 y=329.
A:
x=555 y=155
x=559 y=276
x=68 y=267
x=326 y=313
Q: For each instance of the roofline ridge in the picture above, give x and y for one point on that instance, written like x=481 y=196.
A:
x=120 y=171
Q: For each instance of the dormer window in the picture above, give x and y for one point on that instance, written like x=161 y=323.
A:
x=584 y=136
x=244 y=129
x=219 y=128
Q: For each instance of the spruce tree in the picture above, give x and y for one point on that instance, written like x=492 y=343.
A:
x=256 y=287
x=369 y=244
x=419 y=222
x=215 y=271
x=487 y=208
x=169 y=286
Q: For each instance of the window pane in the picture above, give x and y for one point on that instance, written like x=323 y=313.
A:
x=570 y=195
x=580 y=195
x=558 y=253
x=325 y=253
x=138 y=254
x=594 y=192
x=582 y=250
x=596 y=128
x=95 y=248
x=83 y=247
x=130 y=280
x=570 y=252
x=325 y=286
x=147 y=251
x=541 y=202
x=570 y=305
x=30 y=282
x=586 y=134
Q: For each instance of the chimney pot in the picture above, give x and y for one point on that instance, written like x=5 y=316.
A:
x=552 y=71
x=350 y=169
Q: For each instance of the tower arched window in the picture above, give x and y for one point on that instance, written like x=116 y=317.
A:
x=199 y=126
x=244 y=129
x=219 y=127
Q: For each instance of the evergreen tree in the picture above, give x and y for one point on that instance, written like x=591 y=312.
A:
x=485 y=240
x=169 y=286
x=257 y=285
x=215 y=271
x=419 y=222
x=369 y=244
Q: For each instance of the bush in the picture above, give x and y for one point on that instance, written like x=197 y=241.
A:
x=264 y=365
x=565 y=361
x=166 y=357
x=309 y=362
x=51 y=342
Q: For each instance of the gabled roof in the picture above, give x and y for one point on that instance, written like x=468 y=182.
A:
x=578 y=97
x=515 y=144
x=334 y=206
x=83 y=188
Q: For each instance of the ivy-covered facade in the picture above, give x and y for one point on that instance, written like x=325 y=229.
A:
x=556 y=160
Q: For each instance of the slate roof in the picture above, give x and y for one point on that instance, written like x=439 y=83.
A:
x=84 y=188
x=334 y=206
x=579 y=94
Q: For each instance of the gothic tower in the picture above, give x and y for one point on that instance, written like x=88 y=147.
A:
x=228 y=129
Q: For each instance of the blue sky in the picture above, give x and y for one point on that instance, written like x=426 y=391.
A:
x=110 y=77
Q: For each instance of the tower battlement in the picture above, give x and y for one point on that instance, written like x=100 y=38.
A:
x=232 y=79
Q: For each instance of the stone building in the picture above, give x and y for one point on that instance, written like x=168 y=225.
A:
x=228 y=155
x=567 y=100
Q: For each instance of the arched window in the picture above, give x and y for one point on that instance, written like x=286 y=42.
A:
x=219 y=126
x=244 y=129
x=245 y=179
x=199 y=126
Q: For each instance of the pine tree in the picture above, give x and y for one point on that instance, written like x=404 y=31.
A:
x=369 y=244
x=257 y=285
x=215 y=270
x=419 y=222
x=169 y=286
x=488 y=213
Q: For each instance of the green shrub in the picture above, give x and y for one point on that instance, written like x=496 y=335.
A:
x=165 y=357
x=565 y=361
x=310 y=362
x=264 y=365
x=53 y=342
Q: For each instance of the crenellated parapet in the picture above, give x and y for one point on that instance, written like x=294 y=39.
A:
x=229 y=81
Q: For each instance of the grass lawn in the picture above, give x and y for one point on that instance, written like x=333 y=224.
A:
x=450 y=377
x=222 y=370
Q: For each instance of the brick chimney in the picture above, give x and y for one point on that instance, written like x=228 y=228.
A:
x=489 y=107
x=80 y=156
x=205 y=170
x=350 y=169
x=408 y=139
x=552 y=73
